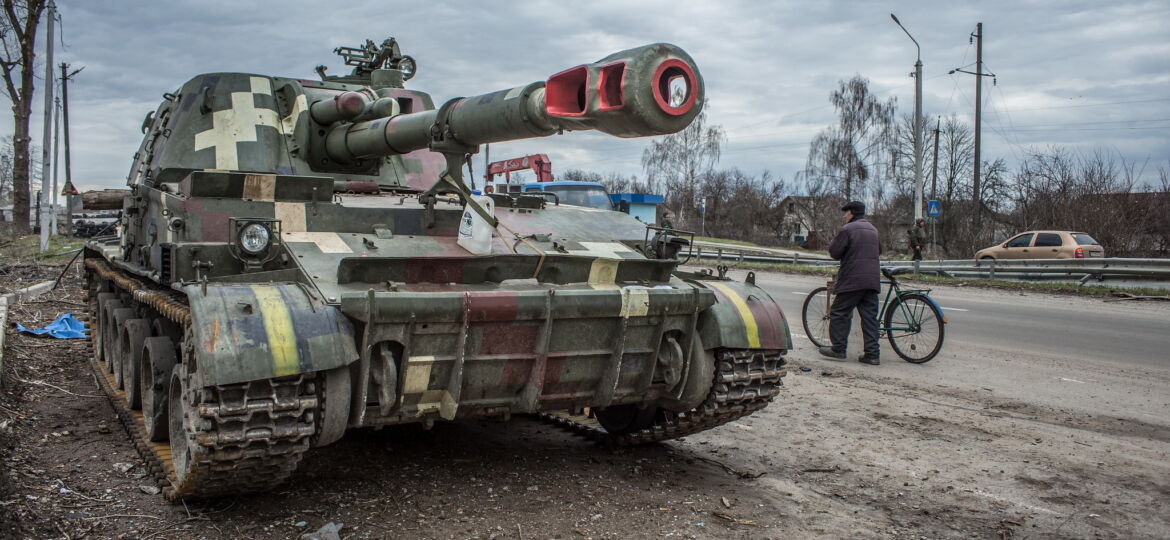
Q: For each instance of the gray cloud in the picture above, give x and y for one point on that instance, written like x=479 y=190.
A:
x=1082 y=74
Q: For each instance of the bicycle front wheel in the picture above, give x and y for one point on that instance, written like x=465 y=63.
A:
x=914 y=326
x=815 y=316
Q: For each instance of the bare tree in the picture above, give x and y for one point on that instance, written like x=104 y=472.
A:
x=675 y=163
x=18 y=32
x=854 y=151
x=1093 y=193
x=739 y=206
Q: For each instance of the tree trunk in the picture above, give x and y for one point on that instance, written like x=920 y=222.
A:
x=107 y=199
x=20 y=21
x=20 y=176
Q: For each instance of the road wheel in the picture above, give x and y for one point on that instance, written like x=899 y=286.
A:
x=134 y=332
x=98 y=323
x=181 y=418
x=114 y=347
x=987 y=258
x=108 y=330
x=628 y=418
x=156 y=362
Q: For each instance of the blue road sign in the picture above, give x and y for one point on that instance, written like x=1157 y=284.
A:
x=933 y=209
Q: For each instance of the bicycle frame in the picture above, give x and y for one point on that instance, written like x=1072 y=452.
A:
x=893 y=290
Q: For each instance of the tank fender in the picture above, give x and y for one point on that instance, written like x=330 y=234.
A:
x=744 y=317
x=249 y=332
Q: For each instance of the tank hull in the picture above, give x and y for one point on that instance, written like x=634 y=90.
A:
x=287 y=268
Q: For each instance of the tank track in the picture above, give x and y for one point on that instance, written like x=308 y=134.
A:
x=745 y=381
x=251 y=436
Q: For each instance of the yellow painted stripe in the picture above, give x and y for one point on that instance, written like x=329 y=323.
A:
x=745 y=313
x=282 y=339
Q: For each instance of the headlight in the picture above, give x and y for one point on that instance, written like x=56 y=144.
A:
x=254 y=238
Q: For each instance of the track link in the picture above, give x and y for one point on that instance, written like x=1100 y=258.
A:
x=249 y=437
x=745 y=381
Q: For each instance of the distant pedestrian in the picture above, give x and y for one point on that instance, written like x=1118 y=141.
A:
x=917 y=238
x=857 y=285
x=666 y=221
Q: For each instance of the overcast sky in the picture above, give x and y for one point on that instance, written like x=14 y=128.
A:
x=1081 y=74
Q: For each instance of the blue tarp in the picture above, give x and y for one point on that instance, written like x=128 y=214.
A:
x=65 y=327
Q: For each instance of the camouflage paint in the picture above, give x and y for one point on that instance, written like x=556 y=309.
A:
x=744 y=316
x=571 y=316
x=248 y=332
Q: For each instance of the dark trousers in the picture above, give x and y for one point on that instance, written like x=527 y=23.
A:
x=917 y=253
x=841 y=319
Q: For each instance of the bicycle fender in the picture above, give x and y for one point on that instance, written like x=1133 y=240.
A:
x=744 y=316
x=936 y=306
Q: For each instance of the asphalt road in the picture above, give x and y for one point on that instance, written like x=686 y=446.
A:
x=1079 y=353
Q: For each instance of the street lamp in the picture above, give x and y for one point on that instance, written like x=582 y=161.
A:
x=917 y=123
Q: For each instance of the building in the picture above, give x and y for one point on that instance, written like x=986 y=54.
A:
x=640 y=205
x=796 y=225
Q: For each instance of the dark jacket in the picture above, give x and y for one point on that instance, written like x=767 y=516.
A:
x=857 y=247
x=917 y=236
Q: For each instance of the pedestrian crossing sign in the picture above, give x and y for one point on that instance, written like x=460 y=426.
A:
x=933 y=209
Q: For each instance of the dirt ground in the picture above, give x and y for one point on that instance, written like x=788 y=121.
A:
x=843 y=452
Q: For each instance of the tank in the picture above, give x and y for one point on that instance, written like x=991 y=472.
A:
x=287 y=269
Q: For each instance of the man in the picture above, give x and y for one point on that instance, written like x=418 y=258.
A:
x=666 y=221
x=918 y=238
x=857 y=285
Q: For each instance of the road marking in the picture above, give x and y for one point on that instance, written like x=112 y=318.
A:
x=800 y=293
x=953 y=308
x=1071 y=380
x=799 y=335
x=742 y=426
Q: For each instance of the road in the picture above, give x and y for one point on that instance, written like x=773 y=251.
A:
x=1043 y=417
x=1053 y=350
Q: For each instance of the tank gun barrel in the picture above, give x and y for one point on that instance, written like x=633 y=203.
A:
x=649 y=90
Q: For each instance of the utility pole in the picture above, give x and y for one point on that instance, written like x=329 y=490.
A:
x=934 y=174
x=977 y=36
x=56 y=154
x=934 y=184
x=917 y=123
x=43 y=198
x=69 y=189
x=978 y=120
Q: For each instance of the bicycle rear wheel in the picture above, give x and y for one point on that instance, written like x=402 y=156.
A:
x=914 y=326
x=815 y=316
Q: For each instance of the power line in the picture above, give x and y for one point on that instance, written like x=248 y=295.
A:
x=1103 y=104
x=1101 y=122
x=1094 y=129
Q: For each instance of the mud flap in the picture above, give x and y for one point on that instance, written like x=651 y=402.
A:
x=744 y=317
x=250 y=332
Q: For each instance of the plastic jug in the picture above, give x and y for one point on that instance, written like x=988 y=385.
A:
x=475 y=233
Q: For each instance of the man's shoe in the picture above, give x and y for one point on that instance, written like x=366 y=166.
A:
x=828 y=351
x=871 y=360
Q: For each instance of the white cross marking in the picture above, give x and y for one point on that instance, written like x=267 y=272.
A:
x=237 y=124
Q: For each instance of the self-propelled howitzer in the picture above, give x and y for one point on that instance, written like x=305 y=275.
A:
x=289 y=269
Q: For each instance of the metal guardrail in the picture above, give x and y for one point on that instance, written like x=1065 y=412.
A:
x=1151 y=271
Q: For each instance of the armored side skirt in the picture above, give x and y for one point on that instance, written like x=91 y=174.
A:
x=480 y=353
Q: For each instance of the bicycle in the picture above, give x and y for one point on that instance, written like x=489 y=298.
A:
x=910 y=319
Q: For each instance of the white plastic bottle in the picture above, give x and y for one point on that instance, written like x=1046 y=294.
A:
x=475 y=234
